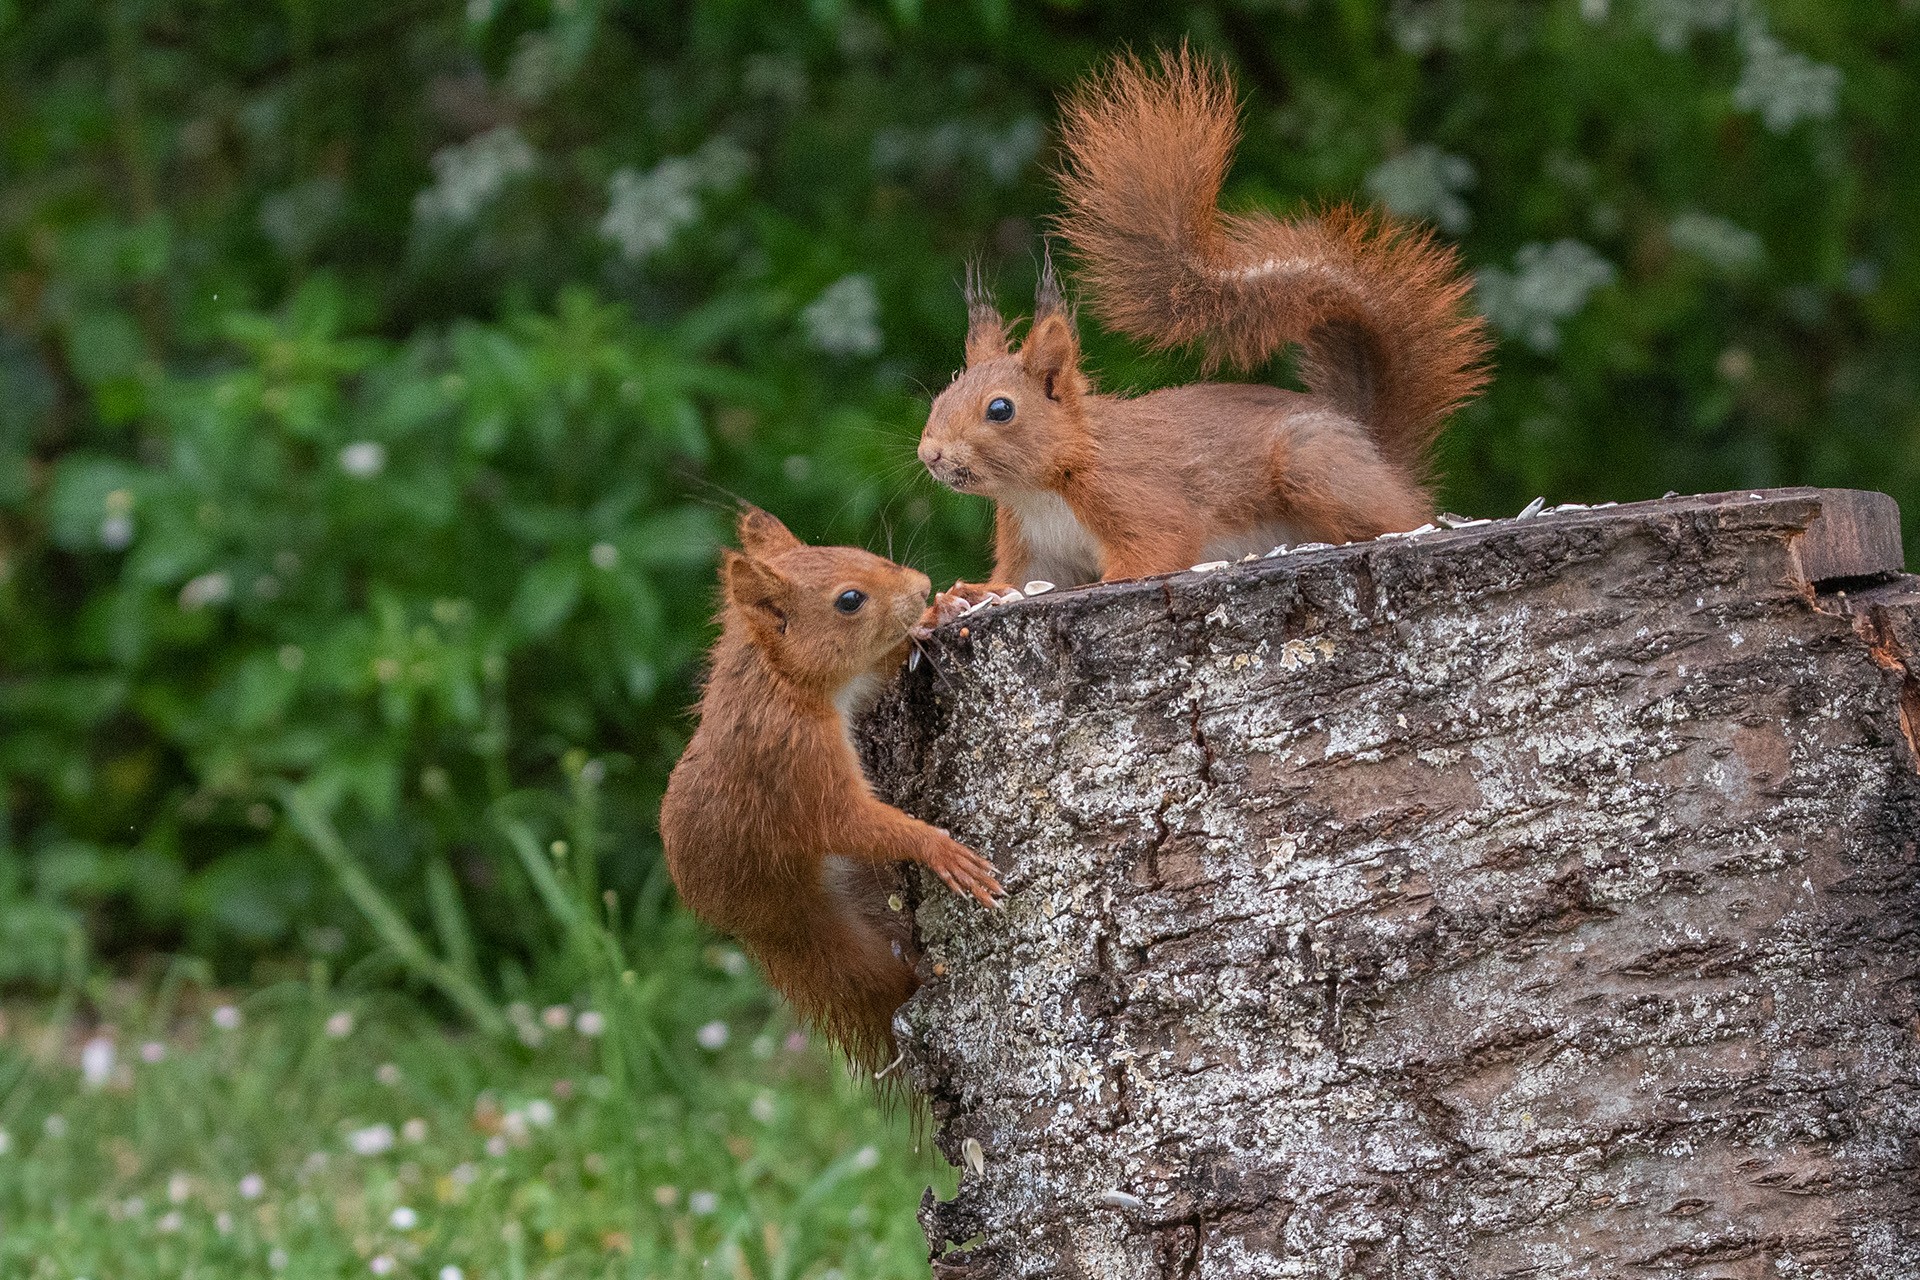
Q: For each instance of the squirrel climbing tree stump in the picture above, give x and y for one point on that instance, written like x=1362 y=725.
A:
x=1536 y=898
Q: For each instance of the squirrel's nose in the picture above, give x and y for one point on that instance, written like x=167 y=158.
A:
x=929 y=453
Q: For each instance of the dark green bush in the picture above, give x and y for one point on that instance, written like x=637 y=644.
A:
x=374 y=380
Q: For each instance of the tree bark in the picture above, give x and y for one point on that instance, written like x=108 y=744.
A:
x=1538 y=898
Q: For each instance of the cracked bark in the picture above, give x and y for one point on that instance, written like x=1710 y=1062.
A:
x=1533 y=899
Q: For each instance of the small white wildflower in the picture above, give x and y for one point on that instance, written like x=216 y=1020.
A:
x=497 y=1145
x=403 y=1219
x=153 y=1051
x=414 y=1130
x=666 y=1196
x=223 y=1223
x=6 y=1142
x=591 y=1023
x=467 y=177
x=535 y=68
x=387 y=1074
x=170 y=1222
x=463 y=1174
x=292 y=657
x=133 y=1207
x=207 y=589
x=363 y=459
x=1724 y=244
x=1550 y=283
x=540 y=1113
x=179 y=1187
x=96 y=1062
x=866 y=1158
x=604 y=555
x=116 y=531
x=252 y=1187
x=556 y=1017
x=1673 y=22
x=373 y=1140
x=513 y=1125
x=277 y=1259
x=340 y=1024
x=1426 y=182
x=593 y=773
x=763 y=1108
x=381 y=1265
x=714 y=1035
x=702 y=1203
x=1783 y=86
x=451 y=1272
x=845 y=319
x=54 y=1126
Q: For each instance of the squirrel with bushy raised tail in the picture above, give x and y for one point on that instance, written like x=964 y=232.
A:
x=771 y=831
x=1093 y=487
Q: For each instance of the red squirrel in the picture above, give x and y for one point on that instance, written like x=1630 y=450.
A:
x=1093 y=487
x=771 y=831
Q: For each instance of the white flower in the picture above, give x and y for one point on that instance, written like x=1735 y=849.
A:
x=403 y=1219
x=169 y=1222
x=96 y=1062
x=1425 y=182
x=556 y=1017
x=702 y=1203
x=866 y=1158
x=153 y=1051
x=1725 y=244
x=497 y=1145
x=277 y=1260
x=54 y=1126
x=6 y=1142
x=1783 y=86
x=207 y=589
x=223 y=1223
x=252 y=1187
x=463 y=1174
x=763 y=1108
x=1673 y=22
x=381 y=1265
x=387 y=1074
x=604 y=555
x=645 y=211
x=540 y=1113
x=363 y=459
x=116 y=531
x=340 y=1024
x=372 y=1140
x=451 y=1272
x=714 y=1035
x=414 y=1130
x=591 y=1022
x=179 y=1187
x=1550 y=283
x=845 y=319
x=467 y=177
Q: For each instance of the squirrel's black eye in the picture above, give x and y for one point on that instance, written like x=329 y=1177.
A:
x=999 y=409
x=849 y=601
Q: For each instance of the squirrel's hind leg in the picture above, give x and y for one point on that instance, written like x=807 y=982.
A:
x=1332 y=484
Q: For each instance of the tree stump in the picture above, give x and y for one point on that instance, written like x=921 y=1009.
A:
x=1533 y=898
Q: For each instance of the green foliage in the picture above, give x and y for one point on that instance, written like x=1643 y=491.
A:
x=309 y=1132
x=373 y=380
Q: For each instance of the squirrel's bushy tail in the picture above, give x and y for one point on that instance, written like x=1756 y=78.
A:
x=846 y=967
x=1377 y=308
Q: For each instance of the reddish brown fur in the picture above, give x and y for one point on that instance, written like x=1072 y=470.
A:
x=770 y=829
x=1155 y=483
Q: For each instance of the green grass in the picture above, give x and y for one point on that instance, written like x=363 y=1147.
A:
x=306 y=1132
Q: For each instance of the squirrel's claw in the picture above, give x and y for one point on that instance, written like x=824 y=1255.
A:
x=959 y=600
x=965 y=872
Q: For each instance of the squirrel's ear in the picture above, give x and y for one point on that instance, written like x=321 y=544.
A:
x=986 y=331
x=763 y=535
x=1051 y=355
x=1047 y=298
x=756 y=591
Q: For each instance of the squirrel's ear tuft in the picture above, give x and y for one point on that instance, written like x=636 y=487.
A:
x=762 y=534
x=1051 y=355
x=756 y=591
x=1047 y=298
x=986 y=331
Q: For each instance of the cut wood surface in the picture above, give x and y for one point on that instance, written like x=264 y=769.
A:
x=1535 y=898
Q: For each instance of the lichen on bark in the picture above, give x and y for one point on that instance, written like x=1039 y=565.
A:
x=1530 y=899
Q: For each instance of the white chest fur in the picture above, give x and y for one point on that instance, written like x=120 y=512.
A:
x=1061 y=550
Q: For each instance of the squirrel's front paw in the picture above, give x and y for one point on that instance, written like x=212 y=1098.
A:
x=963 y=871
x=956 y=601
